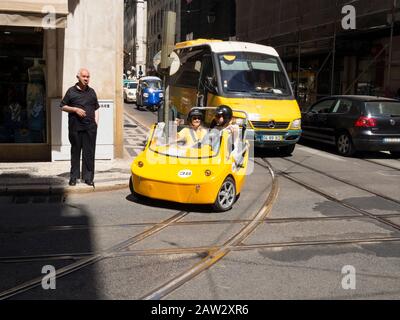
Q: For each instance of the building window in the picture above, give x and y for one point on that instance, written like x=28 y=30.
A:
x=22 y=86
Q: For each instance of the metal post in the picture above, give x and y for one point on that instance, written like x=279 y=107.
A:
x=168 y=42
x=334 y=51
x=299 y=23
x=298 y=66
x=389 y=76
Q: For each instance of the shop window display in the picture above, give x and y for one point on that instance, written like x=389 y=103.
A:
x=22 y=93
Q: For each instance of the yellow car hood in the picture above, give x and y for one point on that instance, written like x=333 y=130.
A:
x=155 y=166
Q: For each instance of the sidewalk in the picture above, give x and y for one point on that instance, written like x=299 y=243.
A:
x=53 y=177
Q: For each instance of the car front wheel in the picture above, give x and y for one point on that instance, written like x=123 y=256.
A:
x=344 y=145
x=226 y=196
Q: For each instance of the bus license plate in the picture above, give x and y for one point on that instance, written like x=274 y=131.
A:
x=271 y=138
x=391 y=140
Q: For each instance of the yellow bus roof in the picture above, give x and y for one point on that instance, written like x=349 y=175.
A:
x=196 y=42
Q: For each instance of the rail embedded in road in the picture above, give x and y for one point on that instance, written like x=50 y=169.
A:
x=217 y=254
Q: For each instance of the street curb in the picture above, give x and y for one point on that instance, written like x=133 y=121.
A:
x=61 y=189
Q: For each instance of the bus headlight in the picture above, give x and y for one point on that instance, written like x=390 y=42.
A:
x=296 y=124
x=146 y=95
x=161 y=95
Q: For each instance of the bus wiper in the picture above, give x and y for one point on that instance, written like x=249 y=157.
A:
x=234 y=90
x=269 y=91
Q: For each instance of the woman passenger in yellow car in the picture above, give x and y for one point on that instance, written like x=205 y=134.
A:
x=195 y=132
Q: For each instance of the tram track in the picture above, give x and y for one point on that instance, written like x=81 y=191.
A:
x=382 y=164
x=92 y=259
x=23 y=231
x=203 y=251
x=217 y=253
x=79 y=255
x=89 y=258
x=271 y=221
x=332 y=198
x=210 y=254
x=378 y=194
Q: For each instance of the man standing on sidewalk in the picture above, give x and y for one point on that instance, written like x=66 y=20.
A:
x=81 y=103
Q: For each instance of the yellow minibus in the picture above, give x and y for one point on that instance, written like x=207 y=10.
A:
x=243 y=76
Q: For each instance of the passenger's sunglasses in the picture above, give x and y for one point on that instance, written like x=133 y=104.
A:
x=219 y=115
x=196 y=118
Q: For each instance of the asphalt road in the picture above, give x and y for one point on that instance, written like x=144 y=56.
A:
x=331 y=212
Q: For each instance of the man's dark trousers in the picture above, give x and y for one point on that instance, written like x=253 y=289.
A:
x=83 y=140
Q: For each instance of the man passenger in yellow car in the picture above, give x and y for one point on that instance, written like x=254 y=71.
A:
x=195 y=132
x=223 y=120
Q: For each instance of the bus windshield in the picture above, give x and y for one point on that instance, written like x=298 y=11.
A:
x=253 y=73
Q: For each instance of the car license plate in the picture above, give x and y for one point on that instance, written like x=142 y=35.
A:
x=391 y=140
x=271 y=138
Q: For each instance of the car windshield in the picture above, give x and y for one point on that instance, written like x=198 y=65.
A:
x=391 y=108
x=253 y=73
x=152 y=84
x=132 y=85
x=184 y=144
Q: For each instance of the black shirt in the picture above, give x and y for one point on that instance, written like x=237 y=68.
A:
x=83 y=99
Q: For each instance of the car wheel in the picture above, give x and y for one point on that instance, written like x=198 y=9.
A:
x=286 y=150
x=395 y=154
x=344 y=145
x=226 y=196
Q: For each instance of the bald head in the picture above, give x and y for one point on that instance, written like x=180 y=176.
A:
x=83 y=76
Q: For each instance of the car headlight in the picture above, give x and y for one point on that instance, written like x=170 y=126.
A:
x=146 y=95
x=296 y=124
x=161 y=95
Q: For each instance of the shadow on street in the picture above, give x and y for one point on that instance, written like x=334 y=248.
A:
x=40 y=224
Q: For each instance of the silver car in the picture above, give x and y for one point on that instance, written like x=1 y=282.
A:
x=130 y=91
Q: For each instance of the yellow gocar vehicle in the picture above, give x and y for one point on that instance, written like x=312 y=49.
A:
x=211 y=171
x=243 y=76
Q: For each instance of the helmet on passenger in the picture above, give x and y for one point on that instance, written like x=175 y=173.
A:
x=195 y=113
x=226 y=113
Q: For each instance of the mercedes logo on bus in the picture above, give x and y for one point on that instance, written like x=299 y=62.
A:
x=271 y=124
x=392 y=122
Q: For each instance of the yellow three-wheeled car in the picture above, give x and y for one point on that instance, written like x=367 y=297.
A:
x=212 y=171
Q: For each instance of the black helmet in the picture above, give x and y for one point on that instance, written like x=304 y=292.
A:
x=194 y=113
x=226 y=112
